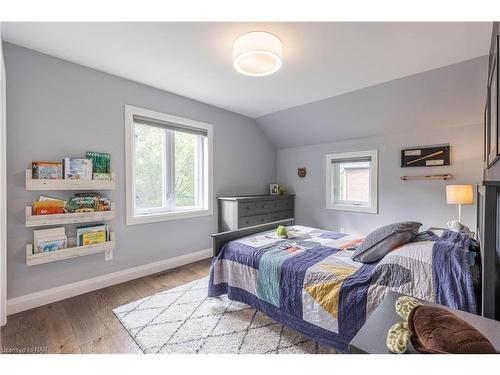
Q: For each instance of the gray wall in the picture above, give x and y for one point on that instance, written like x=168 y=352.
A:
x=56 y=109
x=439 y=106
x=423 y=201
x=450 y=96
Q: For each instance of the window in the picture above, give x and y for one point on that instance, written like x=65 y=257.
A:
x=169 y=163
x=351 y=181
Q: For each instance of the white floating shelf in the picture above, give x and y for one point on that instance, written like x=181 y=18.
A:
x=42 y=184
x=68 y=253
x=69 y=218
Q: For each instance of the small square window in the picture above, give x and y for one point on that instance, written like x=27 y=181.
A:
x=351 y=181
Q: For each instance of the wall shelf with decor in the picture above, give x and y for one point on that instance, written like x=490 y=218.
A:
x=66 y=184
x=68 y=218
x=70 y=252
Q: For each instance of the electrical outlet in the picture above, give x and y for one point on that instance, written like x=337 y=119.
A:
x=342 y=230
x=108 y=255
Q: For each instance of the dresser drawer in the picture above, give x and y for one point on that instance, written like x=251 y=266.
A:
x=281 y=215
x=246 y=211
x=249 y=221
x=254 y=208
x=284 y=204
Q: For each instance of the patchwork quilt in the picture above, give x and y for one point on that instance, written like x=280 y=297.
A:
x=309 y=282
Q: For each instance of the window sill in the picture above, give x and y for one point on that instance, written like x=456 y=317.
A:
x=352 y=208
x=167 y=216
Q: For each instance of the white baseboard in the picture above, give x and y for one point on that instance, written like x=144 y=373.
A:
x=43 y=297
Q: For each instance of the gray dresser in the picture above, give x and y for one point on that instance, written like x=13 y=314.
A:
x=241 y=212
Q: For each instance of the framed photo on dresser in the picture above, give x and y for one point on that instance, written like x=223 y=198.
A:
x=492 y=131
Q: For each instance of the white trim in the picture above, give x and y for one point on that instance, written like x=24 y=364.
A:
x=3 y=193
x=131 y=217
x=43 y=297
x=329 y=180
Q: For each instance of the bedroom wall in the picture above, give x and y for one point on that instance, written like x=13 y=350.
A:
x=57 y=108
x=443 y=105
x=422 y=201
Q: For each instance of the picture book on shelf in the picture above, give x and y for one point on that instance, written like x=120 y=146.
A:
x=92 y=234
x=46 y=170
x=49 y=240
x=88 y=202
x=101 y=165
x=77 y=169
x=46 y=207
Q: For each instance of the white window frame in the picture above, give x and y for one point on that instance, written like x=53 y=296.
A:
x=331 y=182
x=134 y=216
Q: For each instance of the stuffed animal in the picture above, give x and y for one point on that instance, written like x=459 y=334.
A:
x=281 y=231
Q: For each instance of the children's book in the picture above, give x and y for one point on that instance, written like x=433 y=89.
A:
x=101 y=162
x=77 y=169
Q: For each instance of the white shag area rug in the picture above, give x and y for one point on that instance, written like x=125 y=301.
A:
x=185 y=320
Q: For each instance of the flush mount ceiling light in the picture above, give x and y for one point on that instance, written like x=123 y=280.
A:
x=257 y=54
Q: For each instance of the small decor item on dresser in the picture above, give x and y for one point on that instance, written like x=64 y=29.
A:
x=101 y=165
x=77 y=169
x=302 y=172
x=439 y=331
x=425 y=156
x=274 y=189
x=46 y=170
x=282 y=190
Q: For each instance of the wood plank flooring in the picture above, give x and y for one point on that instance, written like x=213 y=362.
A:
x=86 y=323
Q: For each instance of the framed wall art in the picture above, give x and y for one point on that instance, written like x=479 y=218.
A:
x=491 y=116
x=425 y=156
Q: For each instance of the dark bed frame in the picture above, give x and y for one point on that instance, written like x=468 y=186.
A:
x=220 y=239
x=488 y=234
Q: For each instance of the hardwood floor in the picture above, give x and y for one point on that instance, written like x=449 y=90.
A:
x=86 y=323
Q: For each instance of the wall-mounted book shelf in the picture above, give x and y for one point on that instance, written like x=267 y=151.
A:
x=41 y=184
x=69 y=218
x=70 y=252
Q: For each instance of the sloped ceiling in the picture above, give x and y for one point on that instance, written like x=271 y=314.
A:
x=445 y=97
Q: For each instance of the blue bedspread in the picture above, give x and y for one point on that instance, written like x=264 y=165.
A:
x=310 y=283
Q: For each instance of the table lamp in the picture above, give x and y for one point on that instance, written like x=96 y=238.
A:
x=459 y=194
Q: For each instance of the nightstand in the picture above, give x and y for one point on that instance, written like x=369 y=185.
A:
x=372 y=336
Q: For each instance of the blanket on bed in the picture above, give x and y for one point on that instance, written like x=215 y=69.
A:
x=310 y=283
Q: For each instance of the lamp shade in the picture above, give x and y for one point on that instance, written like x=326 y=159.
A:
x=459 y=194
x=257 y=53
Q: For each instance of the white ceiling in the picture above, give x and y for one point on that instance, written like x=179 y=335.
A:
x=194 y=59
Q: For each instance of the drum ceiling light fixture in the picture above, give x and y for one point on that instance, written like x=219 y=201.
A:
x=257 y=53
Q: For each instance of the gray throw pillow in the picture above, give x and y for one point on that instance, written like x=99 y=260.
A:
x=385 y=239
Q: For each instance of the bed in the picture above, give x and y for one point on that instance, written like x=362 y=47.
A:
x=309 y=282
